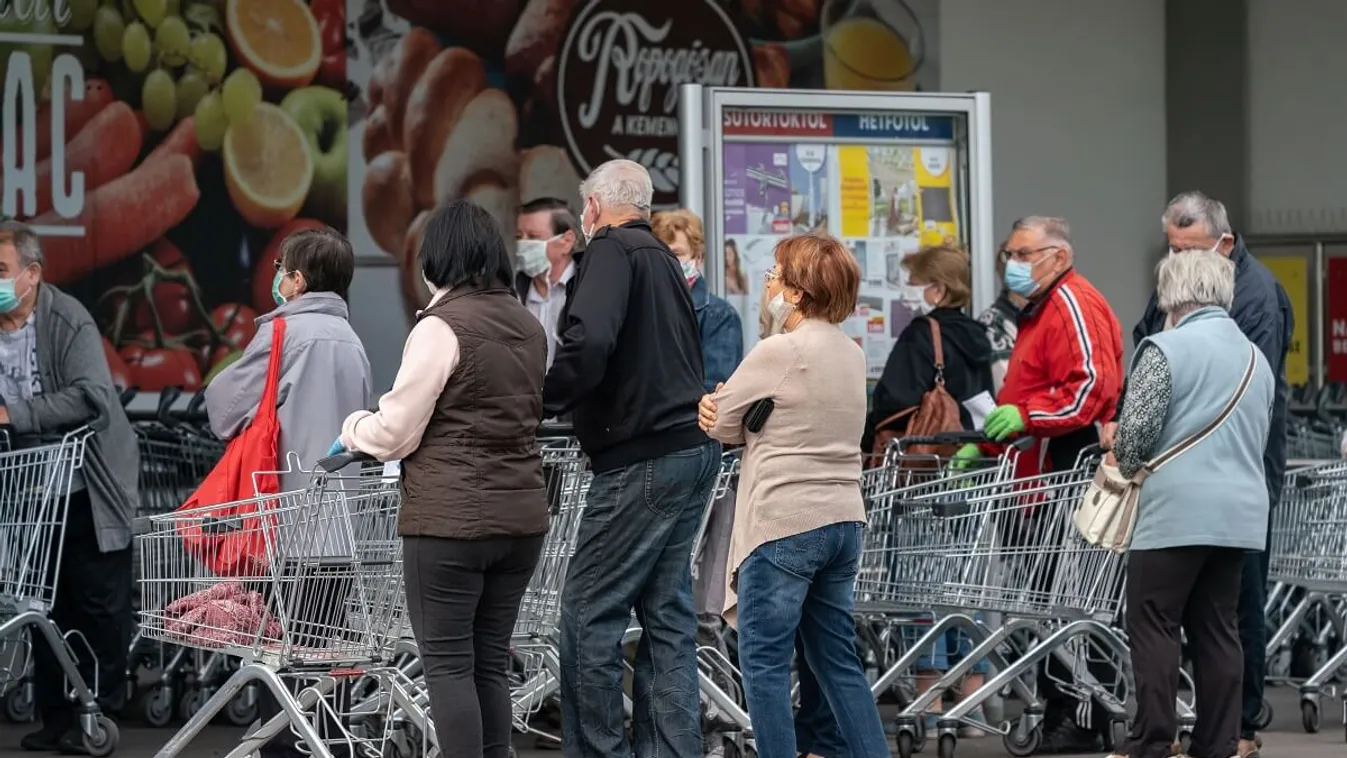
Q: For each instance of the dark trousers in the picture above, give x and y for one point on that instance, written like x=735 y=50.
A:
x=312 y=601
x=634 y=551
x=93 y=598
x=1060 y=706
x=1196 y=589
x=463 y=597
x=1253 y=638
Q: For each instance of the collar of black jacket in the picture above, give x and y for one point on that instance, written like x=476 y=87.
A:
x=636 y=223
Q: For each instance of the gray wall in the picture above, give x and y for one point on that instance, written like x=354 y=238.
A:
x=1078 y=123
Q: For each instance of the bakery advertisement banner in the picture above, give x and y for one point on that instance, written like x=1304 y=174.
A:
x=163 y=147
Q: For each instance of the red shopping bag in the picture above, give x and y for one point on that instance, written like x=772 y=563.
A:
x=231 y=540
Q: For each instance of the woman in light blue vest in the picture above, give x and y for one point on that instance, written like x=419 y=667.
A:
x=1201 y=382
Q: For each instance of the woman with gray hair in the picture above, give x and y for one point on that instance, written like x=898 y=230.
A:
x=1199 y=401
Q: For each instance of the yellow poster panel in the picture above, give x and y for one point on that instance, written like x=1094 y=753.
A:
x=1293 y=272
x=853 y=169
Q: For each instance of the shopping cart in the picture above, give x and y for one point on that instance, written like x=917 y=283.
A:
x=1309 y=554
x=35 y=483
x=304 y=587
x=992 y=543
x=177 y=451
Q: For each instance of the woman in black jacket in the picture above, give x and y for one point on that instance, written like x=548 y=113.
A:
x=938 y=278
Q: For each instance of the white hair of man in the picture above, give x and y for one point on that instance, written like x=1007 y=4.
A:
x=24 y=240
x=1194 y=280
x=1189 y=209
x=1055 y=230
x=618 y=184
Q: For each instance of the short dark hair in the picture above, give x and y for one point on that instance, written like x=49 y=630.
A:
x=325 y=258
x=563 y=218
x=463 y=244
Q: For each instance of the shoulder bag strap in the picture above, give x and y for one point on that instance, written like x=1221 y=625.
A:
x=267 y=405
x=1206 y=431
x=939 y=351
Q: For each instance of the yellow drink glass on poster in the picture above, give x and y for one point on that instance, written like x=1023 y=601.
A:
x=935 y=196
x=870 y=45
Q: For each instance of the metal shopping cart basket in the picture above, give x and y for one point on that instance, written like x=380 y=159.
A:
x=1008 y=545
x=304 y=587
x=1308 y=551
x=35 y=482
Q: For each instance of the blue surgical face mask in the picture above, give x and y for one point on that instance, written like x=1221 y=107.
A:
x=1020 y=278
x=9 y=297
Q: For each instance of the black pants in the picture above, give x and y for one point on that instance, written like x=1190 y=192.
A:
x=1196 y=589
x=313 y=603
x=463 y=597
x=1060 y=706
x=93 y=598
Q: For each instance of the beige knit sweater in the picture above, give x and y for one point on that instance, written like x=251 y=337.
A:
x=802 y=471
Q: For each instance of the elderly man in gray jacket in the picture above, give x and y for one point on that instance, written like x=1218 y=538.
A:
x=53 y=379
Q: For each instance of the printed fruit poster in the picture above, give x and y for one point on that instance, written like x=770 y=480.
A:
x=160 y=148
x=163 y=147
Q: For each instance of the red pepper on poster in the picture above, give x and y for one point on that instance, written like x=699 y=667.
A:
x=331 y=17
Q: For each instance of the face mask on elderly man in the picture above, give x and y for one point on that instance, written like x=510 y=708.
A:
x=530 y=257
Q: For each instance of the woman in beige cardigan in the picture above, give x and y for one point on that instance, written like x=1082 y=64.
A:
x=797 y=530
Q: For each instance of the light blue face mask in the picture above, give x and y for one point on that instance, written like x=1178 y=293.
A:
x=1020 y=278
x=9 y=298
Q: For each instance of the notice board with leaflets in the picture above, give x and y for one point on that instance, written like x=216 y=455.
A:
x=888 y=174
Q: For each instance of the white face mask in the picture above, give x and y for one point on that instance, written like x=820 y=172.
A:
x=1213 y=249
x=589 y=233
x=915 y=299
x=780 y=310
x=530 y=257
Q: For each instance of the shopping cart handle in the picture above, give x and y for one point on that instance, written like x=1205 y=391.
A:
x=167 y=397
x=555 y=428
x=961 y=438
x=342 y=460
x=194 y=406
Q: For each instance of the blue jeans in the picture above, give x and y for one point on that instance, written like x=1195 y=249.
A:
x=1253 y=638
x=805 y=585
x=634 y=551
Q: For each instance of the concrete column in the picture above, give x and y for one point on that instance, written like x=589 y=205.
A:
x=1207 y=102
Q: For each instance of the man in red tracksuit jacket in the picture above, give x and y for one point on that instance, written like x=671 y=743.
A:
x=1065 y=378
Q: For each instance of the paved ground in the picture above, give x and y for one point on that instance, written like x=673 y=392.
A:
x=1286 y=738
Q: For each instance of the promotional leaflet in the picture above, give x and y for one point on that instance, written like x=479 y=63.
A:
x=884 y=183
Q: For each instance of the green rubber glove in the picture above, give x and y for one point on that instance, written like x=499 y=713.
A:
x=1003 y=422
x=965 y=456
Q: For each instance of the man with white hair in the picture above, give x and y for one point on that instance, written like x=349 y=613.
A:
x=629 y=368
x=1193 y=221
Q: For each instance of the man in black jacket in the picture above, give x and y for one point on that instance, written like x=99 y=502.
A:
x=1263 y=311
x=629 y=368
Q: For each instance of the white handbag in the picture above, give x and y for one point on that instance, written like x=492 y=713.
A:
x=1107 y=514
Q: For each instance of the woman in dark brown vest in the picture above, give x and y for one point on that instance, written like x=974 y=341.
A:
x=463 y=417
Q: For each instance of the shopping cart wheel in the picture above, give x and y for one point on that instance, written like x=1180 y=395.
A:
x=103 y=741
x=1021 y=743
x=191 y=701
x=907 y=744
x=1264 y=718
x=945 y=748
x=242 y=708
x=20 y=707
x=156 y=707
x=1309 y=716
